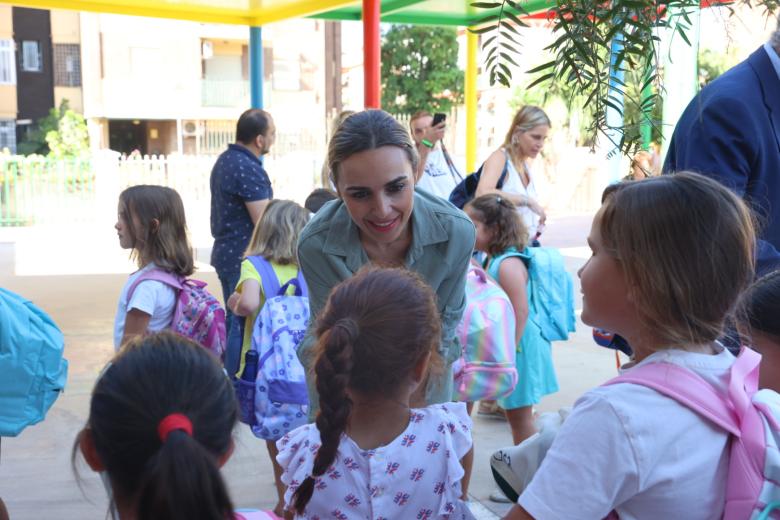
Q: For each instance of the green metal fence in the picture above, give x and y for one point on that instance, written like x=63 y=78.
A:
x=35 y=190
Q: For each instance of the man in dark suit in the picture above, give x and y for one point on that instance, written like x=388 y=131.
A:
x=731 y=132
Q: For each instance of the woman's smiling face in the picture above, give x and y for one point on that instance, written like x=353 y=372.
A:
x=377 y=187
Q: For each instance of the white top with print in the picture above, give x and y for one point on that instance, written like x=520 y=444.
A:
x=416 y=476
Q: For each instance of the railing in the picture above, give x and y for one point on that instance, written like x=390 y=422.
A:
x=40 y=191
x=224 y=93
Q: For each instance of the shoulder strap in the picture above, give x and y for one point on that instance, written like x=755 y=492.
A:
x=158 y=275
x=453 y=170
x=267 y=275
x=687 y=388
x=502 y=178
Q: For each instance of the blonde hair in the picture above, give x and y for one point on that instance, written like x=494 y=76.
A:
x=687 y=246
x=161 y=235
x=275 y=236
x=525 y=119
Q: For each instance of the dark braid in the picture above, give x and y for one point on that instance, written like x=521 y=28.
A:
x=376 y=327
x=333 y=368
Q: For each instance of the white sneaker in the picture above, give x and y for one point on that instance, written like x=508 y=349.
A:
x=514 y=467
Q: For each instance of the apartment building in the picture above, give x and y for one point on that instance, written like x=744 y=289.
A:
x=157 y=86
x=39 y=67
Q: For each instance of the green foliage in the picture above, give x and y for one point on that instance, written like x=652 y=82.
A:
x=61 y=134
x=420 y=69
x=584 y=32
x=712 y=64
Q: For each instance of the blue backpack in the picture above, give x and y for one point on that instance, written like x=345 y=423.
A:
x=277 y=402
x=31 y=363
x=552 y=292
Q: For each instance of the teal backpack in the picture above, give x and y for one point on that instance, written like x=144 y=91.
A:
x=552 y=292
x=31 y=363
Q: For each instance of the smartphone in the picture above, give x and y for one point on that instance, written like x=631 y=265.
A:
x=438 y=117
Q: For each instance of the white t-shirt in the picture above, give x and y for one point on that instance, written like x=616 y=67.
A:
x=628 y=448
x=438 y=178
x=514 y=184
x=155 y=298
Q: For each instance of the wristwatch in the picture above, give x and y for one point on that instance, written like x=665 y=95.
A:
x=427 y=143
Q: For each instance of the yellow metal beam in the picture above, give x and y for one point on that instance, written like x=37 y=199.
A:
x=297 y=9
x=472 y=44
x=144 y=8
x=256 y=13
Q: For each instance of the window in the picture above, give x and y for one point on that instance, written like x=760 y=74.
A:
x=31 y=56
x=7 y=65
x=8 y=135
x=67 y=65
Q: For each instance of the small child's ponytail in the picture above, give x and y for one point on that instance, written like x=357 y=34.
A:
x=333 y=368
x=166 y=491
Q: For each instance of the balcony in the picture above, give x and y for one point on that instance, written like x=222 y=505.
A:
x=224 y=93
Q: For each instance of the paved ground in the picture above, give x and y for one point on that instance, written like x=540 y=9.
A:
x=76 y=276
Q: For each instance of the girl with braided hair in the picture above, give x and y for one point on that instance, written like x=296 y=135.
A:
x=369 y=454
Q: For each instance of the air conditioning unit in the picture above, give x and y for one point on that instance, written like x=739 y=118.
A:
x=207 y=49
x=190 y=128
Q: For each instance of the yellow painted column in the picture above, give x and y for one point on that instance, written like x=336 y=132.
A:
x=472 y=47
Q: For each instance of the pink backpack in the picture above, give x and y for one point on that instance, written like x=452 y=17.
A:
x=198 y=315
x=752 y=417
x=487 y=368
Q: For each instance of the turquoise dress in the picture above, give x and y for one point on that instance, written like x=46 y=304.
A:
x=535 y=370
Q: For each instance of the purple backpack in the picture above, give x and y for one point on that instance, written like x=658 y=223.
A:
x=198 y=315
x=751 y=416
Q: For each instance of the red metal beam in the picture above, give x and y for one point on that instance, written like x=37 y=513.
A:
x=371 y=54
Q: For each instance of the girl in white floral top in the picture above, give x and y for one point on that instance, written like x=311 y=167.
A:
x=370 y=455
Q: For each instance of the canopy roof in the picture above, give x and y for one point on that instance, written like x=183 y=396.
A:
x=261 y=12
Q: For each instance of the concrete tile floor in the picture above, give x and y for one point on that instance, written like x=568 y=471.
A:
x=36 y=475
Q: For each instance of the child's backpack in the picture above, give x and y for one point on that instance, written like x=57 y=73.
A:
x=552 y=292
x=281 y=401
x=198 y=315
x=752 y=417
x=33 y=371
x=487 y=368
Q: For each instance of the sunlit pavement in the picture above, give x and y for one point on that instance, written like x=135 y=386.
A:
x=76 y=274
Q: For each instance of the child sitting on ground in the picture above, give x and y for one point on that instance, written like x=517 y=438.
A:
x=370 y=454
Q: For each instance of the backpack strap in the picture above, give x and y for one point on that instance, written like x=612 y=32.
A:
x=687 y=388
x=744 y=380
x=158 y=275
x=267 y=275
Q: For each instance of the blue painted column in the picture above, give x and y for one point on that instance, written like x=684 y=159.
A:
x=256 y=66
x=614 y=116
